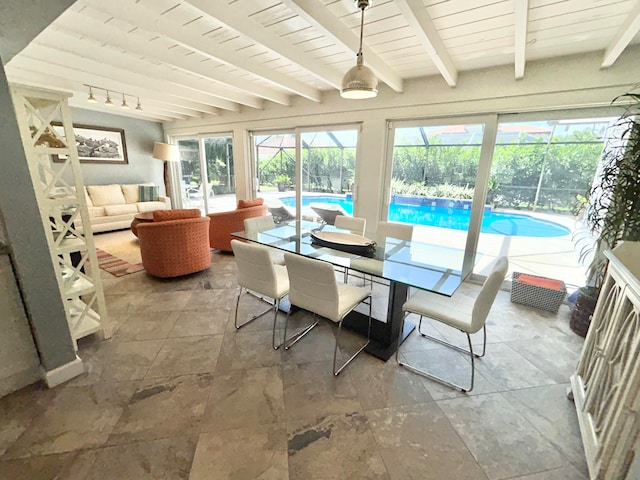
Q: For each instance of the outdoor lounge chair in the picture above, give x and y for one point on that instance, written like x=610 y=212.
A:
x=327 y=212
x=281 y=214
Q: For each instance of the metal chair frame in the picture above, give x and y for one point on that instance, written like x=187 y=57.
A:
x=469 y=352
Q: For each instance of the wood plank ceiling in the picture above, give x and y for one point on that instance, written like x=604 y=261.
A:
x=201 y=57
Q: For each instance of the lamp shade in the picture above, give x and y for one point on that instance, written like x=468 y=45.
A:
x=166 y=152
x=359 y=82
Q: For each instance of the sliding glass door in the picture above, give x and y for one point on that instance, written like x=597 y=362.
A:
x=206 y=177
x=433 y=181
x=541 y=170
x=321 y=169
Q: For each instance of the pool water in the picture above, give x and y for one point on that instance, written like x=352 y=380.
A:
x=511 y=224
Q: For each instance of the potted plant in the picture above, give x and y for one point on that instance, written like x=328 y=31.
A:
x=612 y=211
x=283 y=181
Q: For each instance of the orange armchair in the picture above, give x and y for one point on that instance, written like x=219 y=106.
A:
x=176 y=243
x=223 y=224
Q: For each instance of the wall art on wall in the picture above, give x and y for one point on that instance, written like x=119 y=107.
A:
x=97 y=144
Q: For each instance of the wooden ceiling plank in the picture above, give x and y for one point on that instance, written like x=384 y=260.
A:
x=32 y=68
x=416 y=14
x=40 y=80
x=147 y=20
x=520 y=25
x=127 y=80
x=87 y=26
x=624 y=36
x=190 y=88
x=237 y=20
x=323 y=20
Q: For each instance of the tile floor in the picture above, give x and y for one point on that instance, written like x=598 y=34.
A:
x=177 y=393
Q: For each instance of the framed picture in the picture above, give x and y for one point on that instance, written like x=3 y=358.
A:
x=97 y=144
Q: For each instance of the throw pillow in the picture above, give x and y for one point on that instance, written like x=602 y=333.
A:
x=148 y=193
x=250 y=203
x=178 y=214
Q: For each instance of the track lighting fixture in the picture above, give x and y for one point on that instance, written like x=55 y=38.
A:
x=91 y=98
x=108 y=102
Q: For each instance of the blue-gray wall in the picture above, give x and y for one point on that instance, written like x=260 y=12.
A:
x=140 y=136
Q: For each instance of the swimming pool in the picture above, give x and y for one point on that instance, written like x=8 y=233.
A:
x=511 y=224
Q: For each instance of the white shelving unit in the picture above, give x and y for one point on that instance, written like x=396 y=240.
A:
x=606 y=385
x=46 y=129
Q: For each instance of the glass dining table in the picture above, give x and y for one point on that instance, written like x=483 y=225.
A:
x=394 y=263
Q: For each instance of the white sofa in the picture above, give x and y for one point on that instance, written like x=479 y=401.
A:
x=112 y=207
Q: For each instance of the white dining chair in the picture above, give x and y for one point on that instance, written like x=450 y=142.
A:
x=255 y=225
x=314 y=288
x=357 y=225
x=460 y=312
x=257 y=273
x=401 y=231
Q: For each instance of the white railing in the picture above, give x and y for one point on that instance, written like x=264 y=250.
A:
x=606 y=385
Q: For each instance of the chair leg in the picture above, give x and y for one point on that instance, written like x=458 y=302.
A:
x=455 y=347
x=298 y=335
x=335 y=350
x=275 y=320
x=235 y=322
x=436 y=378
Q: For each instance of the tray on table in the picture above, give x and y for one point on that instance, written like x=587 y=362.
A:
x=346 y=242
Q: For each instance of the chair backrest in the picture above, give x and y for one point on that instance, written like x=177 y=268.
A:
x=402 y=231
x=255 y=268
x=255 y=225
x=312 y=285
x=355 y=224
x=488 y=293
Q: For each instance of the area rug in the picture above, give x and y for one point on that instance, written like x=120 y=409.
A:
x=116 y=266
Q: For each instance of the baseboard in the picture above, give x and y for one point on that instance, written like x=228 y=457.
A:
x=66 y=372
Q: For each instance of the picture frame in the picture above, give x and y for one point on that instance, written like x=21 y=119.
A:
x=97 y=144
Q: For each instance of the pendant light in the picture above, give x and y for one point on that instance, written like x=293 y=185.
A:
x=360 y=81
x=124 y=103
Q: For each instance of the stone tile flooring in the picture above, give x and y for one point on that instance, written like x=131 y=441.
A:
x=177 y=393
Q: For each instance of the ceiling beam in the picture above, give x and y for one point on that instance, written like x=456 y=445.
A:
x=188 y=90
x=236 y=19
x=319 y=16
x=101 y=75
x=108 y=34
x=521 y=24
x=31 y=70
x=151 y=21
x=33 y=79
x=624 y=36
x=420 y=21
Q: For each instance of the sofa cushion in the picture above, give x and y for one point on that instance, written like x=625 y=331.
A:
x=120 y=209
x=150 y=206
x=148 y=193
x=130 y=192
x=96 y=212
x=102 y=195
x=164 y=215
x=250 y=203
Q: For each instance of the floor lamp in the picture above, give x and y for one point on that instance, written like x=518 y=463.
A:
x=167 y=153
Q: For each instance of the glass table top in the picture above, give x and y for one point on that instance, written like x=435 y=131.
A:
x=430 y=267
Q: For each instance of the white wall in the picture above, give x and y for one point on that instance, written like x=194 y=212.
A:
x=574 y=82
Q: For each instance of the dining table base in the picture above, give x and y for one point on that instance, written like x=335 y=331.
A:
x=384 y=334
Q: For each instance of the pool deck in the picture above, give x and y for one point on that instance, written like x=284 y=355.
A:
x=551 y=257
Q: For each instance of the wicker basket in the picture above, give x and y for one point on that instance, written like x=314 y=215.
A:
x=538 y=296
